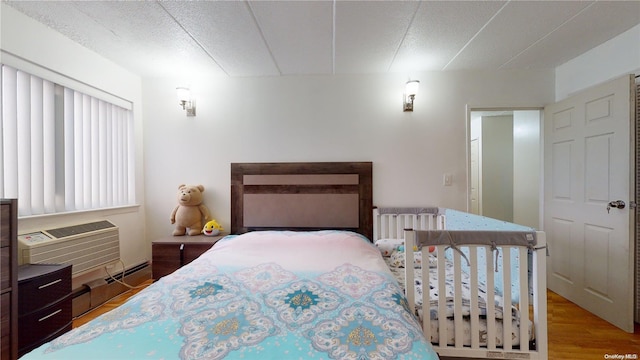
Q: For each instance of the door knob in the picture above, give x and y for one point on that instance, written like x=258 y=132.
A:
x=618 y=204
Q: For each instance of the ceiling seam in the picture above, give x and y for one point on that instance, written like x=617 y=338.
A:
x=476 y=35
x=194 y=39
x=94 y=20
x=264 y=40
x=404 y=36
x=546 y=36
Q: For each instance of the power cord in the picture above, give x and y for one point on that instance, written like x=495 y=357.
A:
x=122 y=281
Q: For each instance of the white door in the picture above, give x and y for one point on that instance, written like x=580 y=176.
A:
x=588 y=164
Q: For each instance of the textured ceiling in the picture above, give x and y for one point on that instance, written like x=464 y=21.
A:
x=272 y=38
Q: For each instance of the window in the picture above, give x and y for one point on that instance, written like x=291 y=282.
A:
x=62 y=150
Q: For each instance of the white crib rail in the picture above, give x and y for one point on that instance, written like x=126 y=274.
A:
x=491 y=350
x=392 y=226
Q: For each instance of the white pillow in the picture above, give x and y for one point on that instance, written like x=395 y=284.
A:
x=387 y=246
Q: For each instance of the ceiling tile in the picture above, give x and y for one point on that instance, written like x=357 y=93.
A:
x=368 y=34
x=140 y=36
x=439 y=31
x=298 y=33
x=515 y=28
x=229 y=33
x=594 y=25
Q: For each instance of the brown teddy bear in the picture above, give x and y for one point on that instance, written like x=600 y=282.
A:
x=190 y=211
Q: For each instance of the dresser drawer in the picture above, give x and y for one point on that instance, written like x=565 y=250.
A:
x=38 y=327
x=169 y=254
x=5 y=225
x=5 y=323
x=5 y=268
x=178 y=254
x=40 y=291
x=193 y=251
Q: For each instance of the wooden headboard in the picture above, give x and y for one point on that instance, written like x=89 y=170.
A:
x=302 y=196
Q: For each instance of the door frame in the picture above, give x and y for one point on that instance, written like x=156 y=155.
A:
x=469 y=110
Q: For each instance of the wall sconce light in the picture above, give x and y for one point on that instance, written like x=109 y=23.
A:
x=185 y=100
x=410 y=91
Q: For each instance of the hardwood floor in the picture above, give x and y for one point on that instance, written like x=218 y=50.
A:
x=573 y=332
x=109 y=305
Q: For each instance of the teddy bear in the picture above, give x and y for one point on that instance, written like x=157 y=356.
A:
x=188 y=215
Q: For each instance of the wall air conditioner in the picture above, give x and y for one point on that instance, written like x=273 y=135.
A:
x=85 y=246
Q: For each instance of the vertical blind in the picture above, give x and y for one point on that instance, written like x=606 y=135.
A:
x=62 y=150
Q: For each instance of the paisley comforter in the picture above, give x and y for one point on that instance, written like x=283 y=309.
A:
x=261 y=295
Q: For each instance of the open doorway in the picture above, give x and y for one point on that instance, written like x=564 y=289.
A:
x=504 y=164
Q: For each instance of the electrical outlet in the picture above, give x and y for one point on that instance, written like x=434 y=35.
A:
x=447 y=180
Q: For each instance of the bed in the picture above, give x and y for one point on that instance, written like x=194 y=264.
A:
x=469 y=259
x=298 y=279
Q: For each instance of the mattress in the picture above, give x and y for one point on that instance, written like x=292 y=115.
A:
x=261 y=295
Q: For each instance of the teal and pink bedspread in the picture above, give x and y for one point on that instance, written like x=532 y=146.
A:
x=261 y=295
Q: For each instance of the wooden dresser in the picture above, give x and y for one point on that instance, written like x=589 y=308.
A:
x=9 y=282
x=45 y=310
x=172 y=252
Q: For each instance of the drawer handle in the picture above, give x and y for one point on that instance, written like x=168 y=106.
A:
x=49 y=284
x=50 y=315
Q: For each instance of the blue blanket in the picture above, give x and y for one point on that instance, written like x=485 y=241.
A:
x=458 y=220
x=263 y=295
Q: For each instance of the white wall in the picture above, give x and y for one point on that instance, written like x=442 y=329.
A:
x=29 y=45
x=614 y=58
x=513 y=153
x=322 y=118
x=497 y=167
x=526 y=168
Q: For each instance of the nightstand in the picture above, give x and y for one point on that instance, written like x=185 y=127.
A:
x=44 y=304
x=172 y=252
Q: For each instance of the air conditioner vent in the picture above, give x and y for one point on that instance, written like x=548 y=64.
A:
x=86 y=246
x=80 y=229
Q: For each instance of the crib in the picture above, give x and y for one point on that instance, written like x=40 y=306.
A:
x=472 y=259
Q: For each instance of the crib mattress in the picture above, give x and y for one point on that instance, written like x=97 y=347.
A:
x=396 y=265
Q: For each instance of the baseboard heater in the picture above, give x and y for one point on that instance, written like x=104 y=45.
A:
x=97 y=292
x=127 y=272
